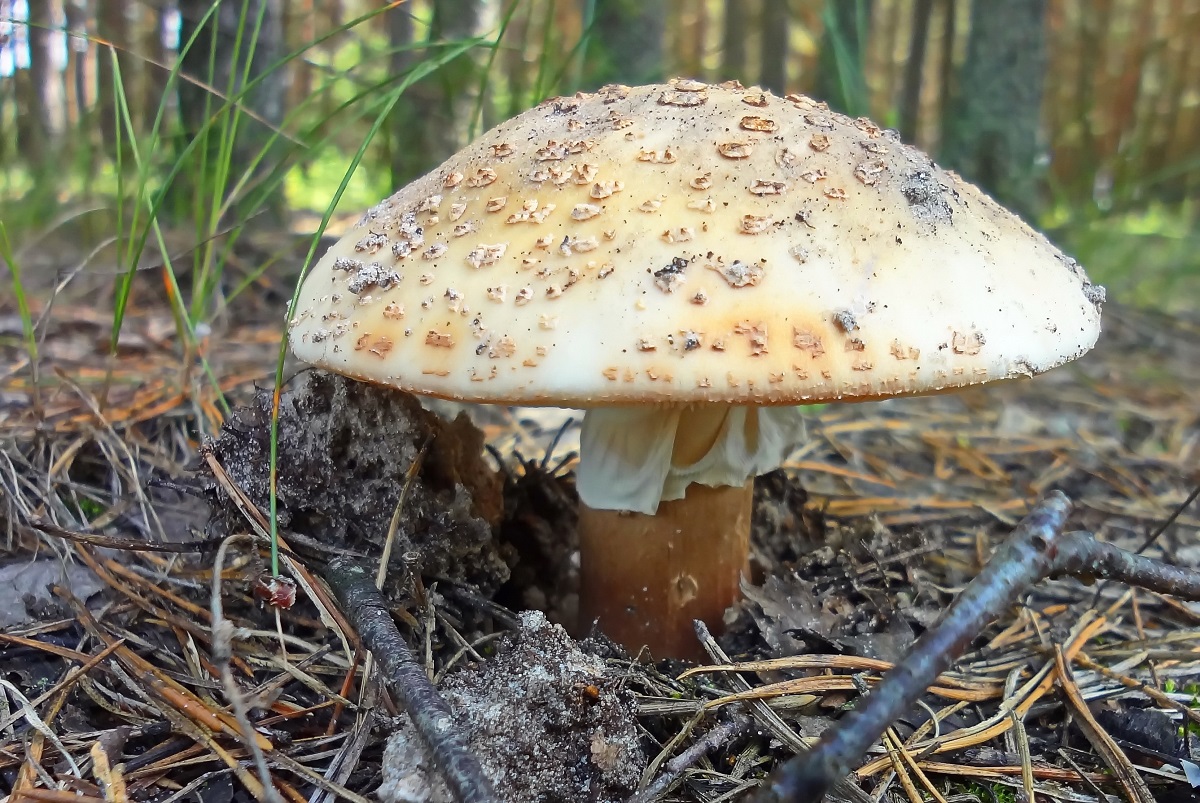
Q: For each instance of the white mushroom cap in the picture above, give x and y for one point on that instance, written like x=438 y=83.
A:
x=690 y=243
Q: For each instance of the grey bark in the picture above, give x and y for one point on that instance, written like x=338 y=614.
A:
x=429 y=121
x=112 y=23
x=992 y=133
x=841 y=76
x=773 y=68
x=914 y=69
x=734 y=31
x=218 y=60
x=626 y=45
x=41 y=123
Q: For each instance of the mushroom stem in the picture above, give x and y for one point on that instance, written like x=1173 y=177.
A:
x=645 y=578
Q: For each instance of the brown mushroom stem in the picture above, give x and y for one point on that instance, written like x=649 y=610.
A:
x=645 y=578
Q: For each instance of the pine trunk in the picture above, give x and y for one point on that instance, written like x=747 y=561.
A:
x=992 y=133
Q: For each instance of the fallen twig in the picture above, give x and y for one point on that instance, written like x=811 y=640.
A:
x=676 y=767
x=430 y=714
x=1037 y=549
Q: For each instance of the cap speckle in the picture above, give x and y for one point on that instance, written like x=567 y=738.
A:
x=902 y=352
x=845 y=320
x=967 y=343
x=755 y=224
x=580 y=245
x=927 y=197
x=671 y=278
x=819 y=142
x=483 y=255
x=807 y=341
x=680 y=235
x=585 y=173
x=756 y=334
x=585 y=211
x=372 y=242
x=762 y=187
x=869 y=172
x=439 y=339
x=739 y=274
x=372 y=275
x=682 y=98
x=738 y=149
x=1095 y=293
x=432 y=202
x=665 y=156
x=483 y=177
x=603 y=189
x=762 y=124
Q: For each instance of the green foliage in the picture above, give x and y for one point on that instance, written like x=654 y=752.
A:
x=1149 y=257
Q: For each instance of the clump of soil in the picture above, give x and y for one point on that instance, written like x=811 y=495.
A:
x=345 y=448
x=547 y=721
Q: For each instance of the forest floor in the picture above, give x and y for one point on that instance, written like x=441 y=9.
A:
x=118 y=680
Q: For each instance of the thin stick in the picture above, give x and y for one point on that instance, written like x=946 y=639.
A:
x=430 y=714
x=676 y=767
x=1016 y=565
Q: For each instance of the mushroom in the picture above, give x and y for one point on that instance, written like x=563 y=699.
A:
x=689 y=264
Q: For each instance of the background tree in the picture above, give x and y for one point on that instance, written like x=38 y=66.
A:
x=774 y=50
x=626 y=42
x=734 y=33
x=991 y=134
x=233 y=48
x=841 y=76
x=429 y=123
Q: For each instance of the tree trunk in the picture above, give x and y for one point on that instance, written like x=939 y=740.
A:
x=841 y=77
x=153 y=78
x=991 y=136
x=773 y=68
x=399 y=23
x=627 y=42
x=429 y=121
x=914 y=70
x=218 y=58
x=734 y=31
x=45 y=116
x=112 y=23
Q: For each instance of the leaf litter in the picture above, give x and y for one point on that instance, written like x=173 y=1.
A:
x=860 y=542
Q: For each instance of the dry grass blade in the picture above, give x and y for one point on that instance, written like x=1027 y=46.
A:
x=1132 y=785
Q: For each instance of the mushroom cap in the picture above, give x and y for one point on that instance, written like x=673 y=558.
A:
x=690 y=243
